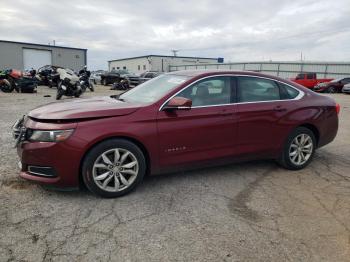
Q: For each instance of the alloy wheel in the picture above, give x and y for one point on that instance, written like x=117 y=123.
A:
x=115 y=170
x=301 y=149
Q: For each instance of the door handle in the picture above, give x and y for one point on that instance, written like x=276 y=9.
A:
x=280 y=109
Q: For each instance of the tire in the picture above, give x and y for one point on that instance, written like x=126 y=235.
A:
x=104 y=82
x=18 y=90
x=91 y=87
x=6 y=86
x=13 y=84
x=59 y=94
x=331 y=90
x=286 y=158
x=111 y=180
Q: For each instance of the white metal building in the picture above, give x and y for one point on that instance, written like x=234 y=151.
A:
x=282 y=69
x=22 y=56
x=158 y=63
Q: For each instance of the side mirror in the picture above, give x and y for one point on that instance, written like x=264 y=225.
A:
x=178 y=103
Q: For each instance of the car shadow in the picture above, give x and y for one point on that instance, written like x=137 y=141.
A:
x=152 y=182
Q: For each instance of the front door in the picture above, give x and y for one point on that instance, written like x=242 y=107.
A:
x=206 y=131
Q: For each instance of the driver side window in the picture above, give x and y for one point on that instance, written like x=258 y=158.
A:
x=211 y=91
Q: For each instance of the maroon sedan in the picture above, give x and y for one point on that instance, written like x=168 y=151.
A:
x=334 y=86
x=178 y=120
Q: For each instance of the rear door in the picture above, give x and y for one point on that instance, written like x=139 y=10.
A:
x=260 y=107
x=206 y=131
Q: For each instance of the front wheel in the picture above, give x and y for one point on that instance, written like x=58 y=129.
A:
x=113 y=168
x=299 y=149
x=91 y=87
x=332 y=90
x=6 y=86
x=59 y=94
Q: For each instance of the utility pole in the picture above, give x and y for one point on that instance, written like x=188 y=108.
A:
x=175 y=52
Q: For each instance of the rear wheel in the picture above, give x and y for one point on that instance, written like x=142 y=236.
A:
x=113 y=168
x=298 y=149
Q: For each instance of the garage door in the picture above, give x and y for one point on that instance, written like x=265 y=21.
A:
x=34 y=58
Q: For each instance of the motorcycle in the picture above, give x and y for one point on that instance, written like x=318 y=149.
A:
x=47 y=75
x=5 y=85
x=12 y=79
x=85 y=82
x=69 y=84
x=123 y=84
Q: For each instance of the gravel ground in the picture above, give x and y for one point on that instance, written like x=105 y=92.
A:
x=253 y=211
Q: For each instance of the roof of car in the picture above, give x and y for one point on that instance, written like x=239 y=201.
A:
x=210 y=72
x=205 y=72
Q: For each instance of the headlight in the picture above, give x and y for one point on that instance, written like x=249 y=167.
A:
x=50 y=135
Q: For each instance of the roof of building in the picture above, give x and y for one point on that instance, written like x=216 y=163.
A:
x=51 y=46
x=168 y=56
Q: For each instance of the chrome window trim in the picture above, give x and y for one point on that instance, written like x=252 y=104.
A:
x=298 y=97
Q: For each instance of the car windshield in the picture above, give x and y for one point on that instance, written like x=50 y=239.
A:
x=336 y=80
x=152 y=90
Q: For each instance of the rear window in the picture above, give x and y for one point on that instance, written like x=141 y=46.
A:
x=311 y=76
x=253 y=89
x=288 y=92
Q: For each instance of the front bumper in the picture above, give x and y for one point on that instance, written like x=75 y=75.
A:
x=49 y=163
x=320 y=89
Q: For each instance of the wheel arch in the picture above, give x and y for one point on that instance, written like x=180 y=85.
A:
x=130 y=139
x=313 y=129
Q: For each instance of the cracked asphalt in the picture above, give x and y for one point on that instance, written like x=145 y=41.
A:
x=252 y=211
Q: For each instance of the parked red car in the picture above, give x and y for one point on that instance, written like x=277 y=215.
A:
x=309 y=80
x=179 y=120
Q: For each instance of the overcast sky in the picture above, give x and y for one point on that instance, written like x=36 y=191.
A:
x=247 y=30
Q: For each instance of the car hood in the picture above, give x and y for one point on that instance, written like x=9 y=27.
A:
x=96 y=107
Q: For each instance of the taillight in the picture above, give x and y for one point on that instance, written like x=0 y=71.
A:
x=337 y=108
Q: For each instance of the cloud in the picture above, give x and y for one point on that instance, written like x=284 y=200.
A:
x=237 y=30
